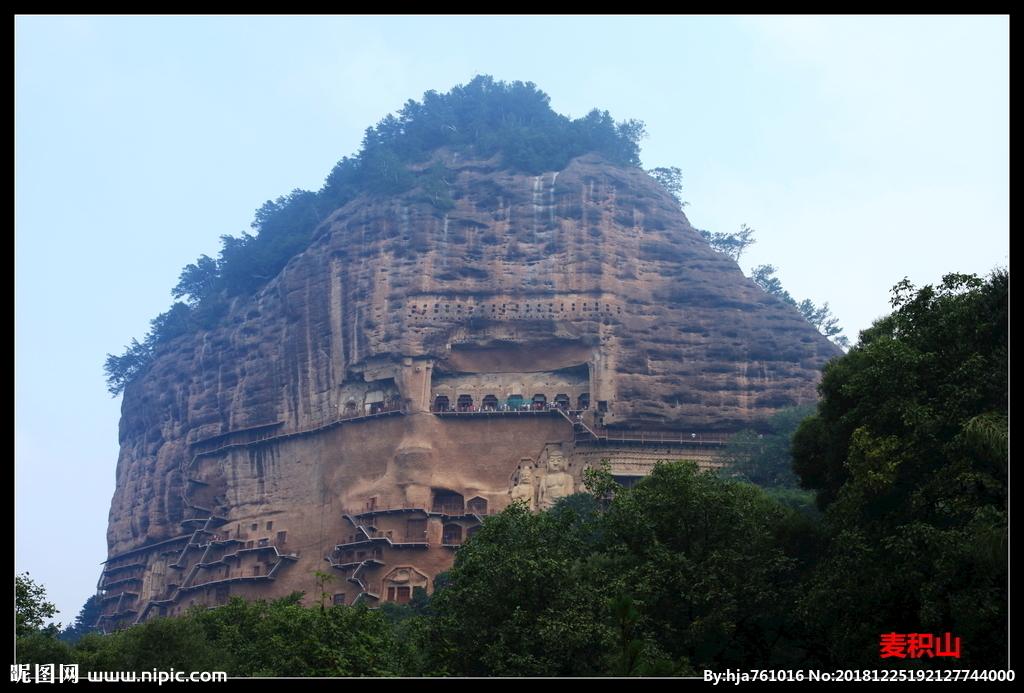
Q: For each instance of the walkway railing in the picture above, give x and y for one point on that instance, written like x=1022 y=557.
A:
x=657 y=436
x=603 y=433
x=400 y=507
x=374 y=508
x=502 y=406
x=261 y=434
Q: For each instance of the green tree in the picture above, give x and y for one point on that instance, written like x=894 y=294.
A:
x=279 y=638
x=823 y=320
x=163 y=643
x=36 y=641
x=85 y=622
x=918 y=375
x=765 y=458
x=704 y=561
x=520 y=602
x=764 y=276
x=670 y=178
x=121 y=370
x=197 y=281
x=680 y=569
x=173 y=323
x=31 y=610
x=731 y=244
x=283 y=638
x=638 y=657
x=630 y=133
x=909 y=493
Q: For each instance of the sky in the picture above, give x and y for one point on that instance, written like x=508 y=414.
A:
x=862 y=150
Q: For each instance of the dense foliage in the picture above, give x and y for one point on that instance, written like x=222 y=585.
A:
x=280 y=638
x=908 y=455
x=36 y=640
x=85 y=622
x=31 y=610
x=679 y=573
x=764 y=458
x=917 y=377
x=480 y=119
x=547 y=623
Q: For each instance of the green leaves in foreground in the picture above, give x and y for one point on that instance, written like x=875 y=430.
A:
x=681 y=568
x=280 y=638
x=519 y=603
x=908 y=454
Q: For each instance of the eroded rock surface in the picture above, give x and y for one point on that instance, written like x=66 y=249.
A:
x=413 y=356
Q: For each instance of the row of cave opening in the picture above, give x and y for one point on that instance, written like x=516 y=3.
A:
x=489 y=403
x=375 y=404
x=444 y=501
x=513 y=307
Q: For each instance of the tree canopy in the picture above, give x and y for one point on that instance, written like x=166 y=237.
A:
x=764 y=458
x=906 y=453
x=85 y=622
x=917 y=376
x=278 y=638
x=680 y=571
x=670 y=178
x=518 y=602
x=731 y=244
x=31 y=610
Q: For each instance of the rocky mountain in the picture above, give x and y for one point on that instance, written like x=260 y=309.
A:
x=431 y=356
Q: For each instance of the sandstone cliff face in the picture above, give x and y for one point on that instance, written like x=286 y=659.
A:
x=588 y=285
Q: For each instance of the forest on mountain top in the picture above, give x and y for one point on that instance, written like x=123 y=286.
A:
x=478 y=119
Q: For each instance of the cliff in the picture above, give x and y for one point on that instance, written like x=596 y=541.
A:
x=581 y=297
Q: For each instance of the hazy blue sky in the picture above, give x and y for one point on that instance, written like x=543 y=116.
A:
x=861 y=149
